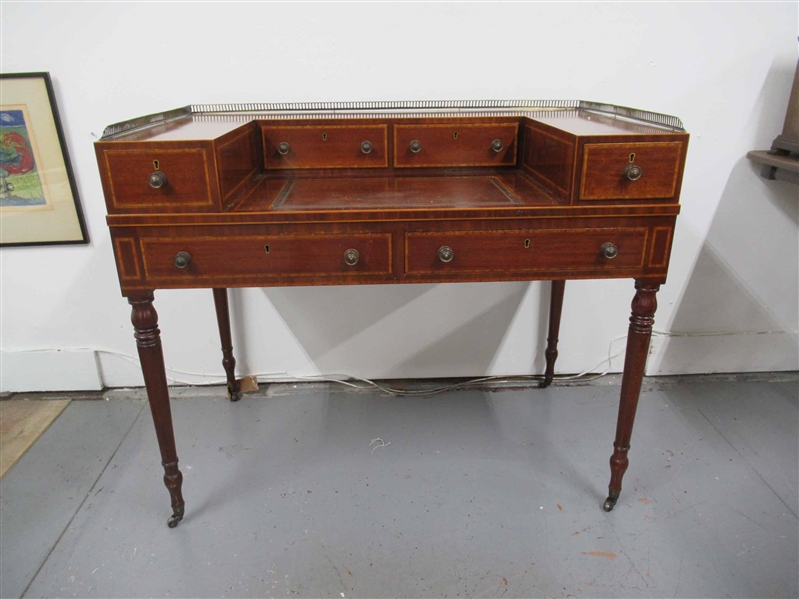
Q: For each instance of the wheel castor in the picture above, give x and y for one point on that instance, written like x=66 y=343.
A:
x=177 y=516
x=543 y=385
x=613 y=497
x=233 y=394
x=609 y=503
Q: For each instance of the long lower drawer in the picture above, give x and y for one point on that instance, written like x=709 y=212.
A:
x=256 y=256
x=524 y=251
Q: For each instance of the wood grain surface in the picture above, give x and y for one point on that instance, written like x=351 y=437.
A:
x=22 y=422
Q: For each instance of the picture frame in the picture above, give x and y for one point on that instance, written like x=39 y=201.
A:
x=39 y=202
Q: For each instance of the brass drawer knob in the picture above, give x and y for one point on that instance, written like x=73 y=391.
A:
x=609 y=250
x=416 y=146
x=157 y=180
x=351 y=257
x=366 y=147
x=284 y=147
x=497 y=145
x=182 y=259
x=445 y=253
x=633 y=172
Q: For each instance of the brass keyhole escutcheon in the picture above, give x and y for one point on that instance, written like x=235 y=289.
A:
x=632 y=157
x=455 y=135
x=526 y=244
x=324 y=136
x=266 y=248
x=156 y=165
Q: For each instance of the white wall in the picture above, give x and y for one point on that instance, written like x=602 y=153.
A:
x=725 y=69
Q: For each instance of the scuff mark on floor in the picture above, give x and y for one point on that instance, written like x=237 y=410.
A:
x=606 y=554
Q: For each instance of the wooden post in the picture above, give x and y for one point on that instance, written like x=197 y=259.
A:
x=148 y=339
x=555 y=309
x=639 y=333
x=228 y=361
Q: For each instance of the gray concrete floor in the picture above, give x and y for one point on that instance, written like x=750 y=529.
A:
x=476 y=494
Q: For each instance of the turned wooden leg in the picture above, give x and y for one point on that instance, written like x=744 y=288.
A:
x=148 y=340
x=638 y=336
x=555 y=309
x=228 y=361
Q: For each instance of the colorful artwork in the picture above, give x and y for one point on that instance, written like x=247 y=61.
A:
x=39 y=203
x=20 y=183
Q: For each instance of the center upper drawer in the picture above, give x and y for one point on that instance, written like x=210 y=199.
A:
x=325 y=146
x=455 y=144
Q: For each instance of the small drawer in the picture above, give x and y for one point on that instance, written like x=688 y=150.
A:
x=257 y=256
x=334 y=146
x=619 y=171
x=159 y=178
x=455 y=144
x=521 y=251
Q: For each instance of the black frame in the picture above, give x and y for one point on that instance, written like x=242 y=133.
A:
x=67 y=163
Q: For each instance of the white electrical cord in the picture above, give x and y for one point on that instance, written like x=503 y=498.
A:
x=343 y=379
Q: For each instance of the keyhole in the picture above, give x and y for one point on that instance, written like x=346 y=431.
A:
x=324 y=136
x=632 y=157
x=455 y=135
x=156 y=165
x=266 y=247
x=526 y=244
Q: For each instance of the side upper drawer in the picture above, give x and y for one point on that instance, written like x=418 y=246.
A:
x=185 y=185
x=607 y=172
x=258 y=256
x=520 y=251
x=319 y=146
x=455 y=144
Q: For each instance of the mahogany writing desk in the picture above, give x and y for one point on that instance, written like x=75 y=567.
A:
x=252 y=195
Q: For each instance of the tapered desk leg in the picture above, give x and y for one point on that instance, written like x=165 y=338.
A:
x=228 y=361
x=555 y=309
x=148 y=340
x=638 y=336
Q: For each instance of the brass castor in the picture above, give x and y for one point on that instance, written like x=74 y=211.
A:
x=613 y=497
x=177 y=516
x=233 y=394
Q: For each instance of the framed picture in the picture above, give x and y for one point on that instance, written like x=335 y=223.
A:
x=39 y=202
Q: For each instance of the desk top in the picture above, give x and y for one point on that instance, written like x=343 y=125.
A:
x=391 y=192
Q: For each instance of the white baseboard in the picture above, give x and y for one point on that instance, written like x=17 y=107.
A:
x=707 y=354
x=49 y=370
x=78 y=370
